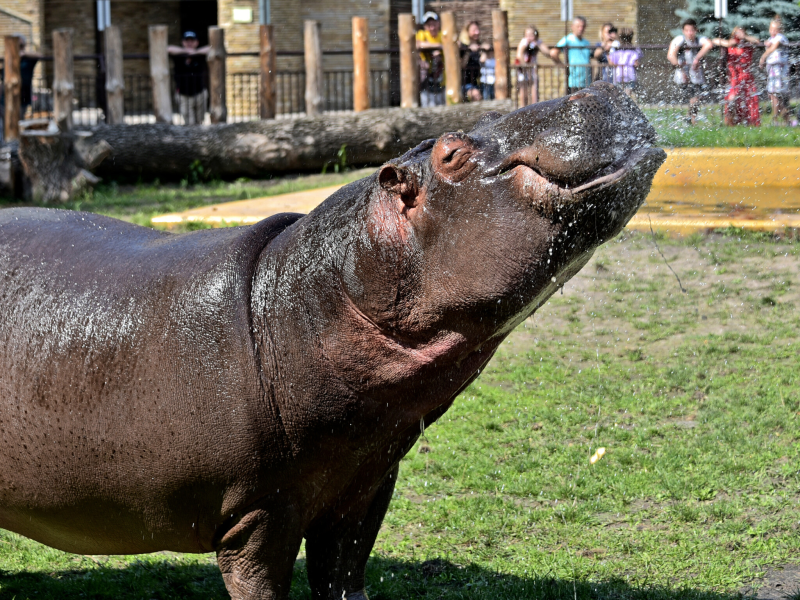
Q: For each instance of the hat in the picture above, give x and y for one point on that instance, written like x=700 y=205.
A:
x=428 y=16
x=189 y=35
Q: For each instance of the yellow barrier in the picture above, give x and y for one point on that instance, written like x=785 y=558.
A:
x=730 y=167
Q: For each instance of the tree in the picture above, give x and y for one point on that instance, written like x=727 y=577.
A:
x=754 y=15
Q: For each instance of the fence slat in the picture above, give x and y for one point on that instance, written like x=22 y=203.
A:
x=115 y=81
x=12 y=82
x=313 y=59
x=452 y=59
x=501 y=54
x=218 y=106
x=159 y=73
x=63 y=77
x=409 y=61
x=267 y=100
x=361 y=78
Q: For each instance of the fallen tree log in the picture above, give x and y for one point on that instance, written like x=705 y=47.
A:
x=259 y=148
x=58 y=162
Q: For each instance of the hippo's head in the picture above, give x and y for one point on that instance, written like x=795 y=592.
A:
x=468 y=234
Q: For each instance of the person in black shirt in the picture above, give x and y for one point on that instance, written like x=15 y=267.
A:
x=27 y=63
x=191 y=75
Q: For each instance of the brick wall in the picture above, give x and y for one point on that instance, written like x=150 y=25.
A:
x=80 y=17
x=288 y=17
x=22 y=17
x=655 y=19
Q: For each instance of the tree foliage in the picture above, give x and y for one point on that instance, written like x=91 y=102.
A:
x=754 y=15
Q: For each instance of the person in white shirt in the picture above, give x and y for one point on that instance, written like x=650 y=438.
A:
x=777 y=64
x=686 y=53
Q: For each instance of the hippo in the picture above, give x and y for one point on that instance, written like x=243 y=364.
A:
x=239 y=390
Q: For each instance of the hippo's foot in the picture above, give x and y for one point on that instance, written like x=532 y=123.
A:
x=337 y=550
x=256 y=555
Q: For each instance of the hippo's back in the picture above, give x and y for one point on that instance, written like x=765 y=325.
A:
x=121 y=347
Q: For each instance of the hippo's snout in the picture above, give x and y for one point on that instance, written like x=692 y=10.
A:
x=576 y=139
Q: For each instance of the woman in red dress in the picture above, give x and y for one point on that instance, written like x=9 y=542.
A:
x=741 y=107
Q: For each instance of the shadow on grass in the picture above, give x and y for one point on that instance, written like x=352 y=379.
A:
x=387 y=579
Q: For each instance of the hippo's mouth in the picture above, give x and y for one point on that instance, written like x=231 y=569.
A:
x=530 y=176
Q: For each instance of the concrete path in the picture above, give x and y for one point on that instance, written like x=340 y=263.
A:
x=696 y=189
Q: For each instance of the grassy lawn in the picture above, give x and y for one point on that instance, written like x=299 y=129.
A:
x=693 y=395
x=673 y=130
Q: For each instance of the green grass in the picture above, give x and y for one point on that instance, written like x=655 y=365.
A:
x=694 y=396
x=674 y=131
x=141 y=202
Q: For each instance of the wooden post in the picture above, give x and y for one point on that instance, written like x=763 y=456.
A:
x=313 y=55
x=63 y=78
x=159 y=73
x=409 y=61
x=12 y=82
x=501 y=56
x=360 y=64
x=452 y=58
x=266 y=88
x=216 y=75
x=115 y=82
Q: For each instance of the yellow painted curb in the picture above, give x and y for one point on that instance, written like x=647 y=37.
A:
x=730 y=167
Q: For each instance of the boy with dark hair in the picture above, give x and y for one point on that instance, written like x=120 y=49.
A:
x=686 y=52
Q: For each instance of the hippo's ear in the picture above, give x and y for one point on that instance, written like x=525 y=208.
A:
x=400 y=182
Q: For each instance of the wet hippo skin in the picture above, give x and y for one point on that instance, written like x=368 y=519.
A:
x=238 y=390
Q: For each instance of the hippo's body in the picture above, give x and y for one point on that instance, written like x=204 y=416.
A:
x=238 y=390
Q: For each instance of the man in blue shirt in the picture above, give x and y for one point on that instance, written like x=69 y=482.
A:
x=579 y=55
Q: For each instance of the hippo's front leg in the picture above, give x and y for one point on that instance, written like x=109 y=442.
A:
x=256 y=556
x=337 y=550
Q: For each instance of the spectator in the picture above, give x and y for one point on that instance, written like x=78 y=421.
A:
x=686 y=52
x=528 y=73
x=579 y=56
x=431 y=76
x=608 y=41
x=191 y=75
x=487 y=73
x=27 y=63
x=777 y=64
x=624 y=60
x=741 y=102
x=471 y=51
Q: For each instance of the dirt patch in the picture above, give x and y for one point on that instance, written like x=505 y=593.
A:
x=780 y=583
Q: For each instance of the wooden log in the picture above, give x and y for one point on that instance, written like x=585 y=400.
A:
x=159 y=73
x=63 y=78
x=452 y=58
x=409 y=61
x=315 y=103
x=266 y=89
x=12 y=85
x=501 y=55
x=115 y=82
x=58 y=162
x=360 y=64
x=258 y=148
x=218 y=106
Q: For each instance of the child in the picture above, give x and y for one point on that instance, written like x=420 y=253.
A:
x=487 y=73
x=777 y=64
x=625 y=59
